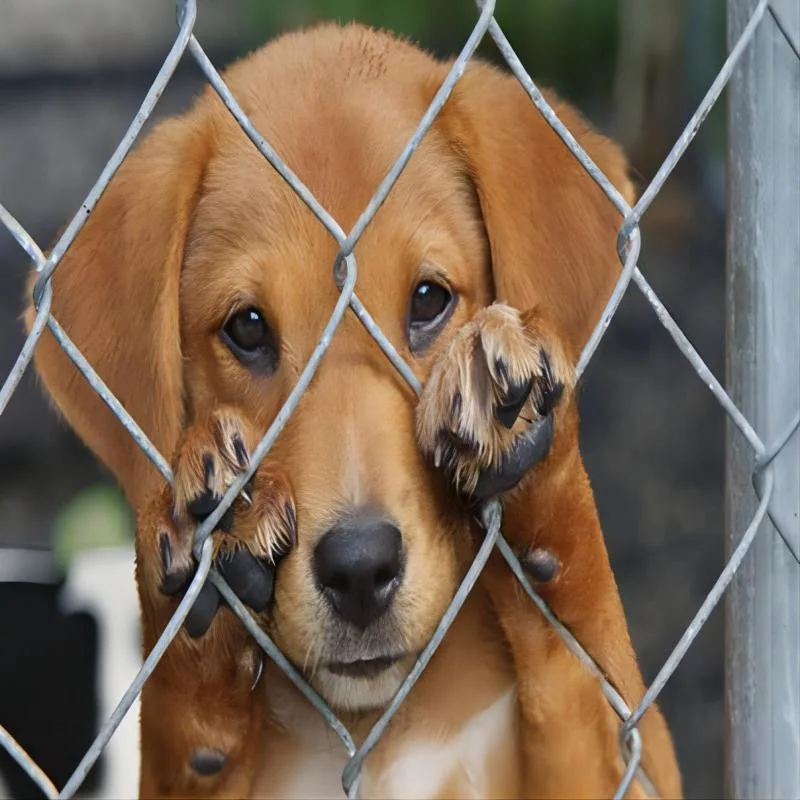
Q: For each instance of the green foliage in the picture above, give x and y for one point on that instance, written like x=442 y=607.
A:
x=568 y=43
x=97 y=517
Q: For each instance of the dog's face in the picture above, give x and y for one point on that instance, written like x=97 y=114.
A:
x=216 y=283
x=380 y=546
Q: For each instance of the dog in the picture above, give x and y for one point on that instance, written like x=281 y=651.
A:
x=199 y=288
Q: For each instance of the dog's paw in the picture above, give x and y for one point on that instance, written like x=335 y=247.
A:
x=256 y=531
x=486 y=413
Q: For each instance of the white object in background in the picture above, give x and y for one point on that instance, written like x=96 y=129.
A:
x=101 y=582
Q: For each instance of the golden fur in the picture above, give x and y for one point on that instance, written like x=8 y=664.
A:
x=197 y=224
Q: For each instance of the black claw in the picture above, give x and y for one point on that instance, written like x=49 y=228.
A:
x=208 y=468
x=252 y=579
x=240 y=450
x=451 y=440
x=203 y=505
x=540 y=564
x=455 y=408
x=451 y=448
x=515 y=398
x=548 y=391
x=501 y=369
x=165 y=548
x=528 y=449
x=555 y=398
x=281 y=550
x=206 y=761
x=202 y=613
x=547 y=398
x=547 y=367
x=258 y=668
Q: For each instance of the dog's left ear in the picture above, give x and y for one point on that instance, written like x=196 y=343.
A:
x=552 y=231
x=116 y=296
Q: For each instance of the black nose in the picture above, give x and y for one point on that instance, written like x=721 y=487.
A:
x=359 y=565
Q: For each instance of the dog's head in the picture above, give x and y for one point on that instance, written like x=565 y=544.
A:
x=202 y=278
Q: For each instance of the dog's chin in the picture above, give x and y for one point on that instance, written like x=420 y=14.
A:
x=372 y=689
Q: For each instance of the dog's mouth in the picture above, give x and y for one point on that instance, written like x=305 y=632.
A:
x=363 y=667
x=364 y=681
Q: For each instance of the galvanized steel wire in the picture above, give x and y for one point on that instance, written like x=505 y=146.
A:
x=344 y=273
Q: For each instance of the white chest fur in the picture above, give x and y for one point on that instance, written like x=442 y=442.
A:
x=427 y=759
x=430 y=766
x=455 y=736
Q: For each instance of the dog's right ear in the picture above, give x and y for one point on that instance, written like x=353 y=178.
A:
x=115 y=293
x=552 y=232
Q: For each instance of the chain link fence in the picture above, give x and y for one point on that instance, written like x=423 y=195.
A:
x=762 y=454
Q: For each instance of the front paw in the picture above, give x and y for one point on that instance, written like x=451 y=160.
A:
x=257 y=530
x=486 y=415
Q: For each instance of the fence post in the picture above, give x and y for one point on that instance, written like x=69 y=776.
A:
x=763 y=372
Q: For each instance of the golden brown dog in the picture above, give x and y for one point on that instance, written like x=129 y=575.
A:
x=199 y=288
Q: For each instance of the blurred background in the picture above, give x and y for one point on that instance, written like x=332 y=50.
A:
x=71 y=78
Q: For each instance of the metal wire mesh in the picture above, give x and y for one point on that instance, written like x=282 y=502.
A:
x=345 y=272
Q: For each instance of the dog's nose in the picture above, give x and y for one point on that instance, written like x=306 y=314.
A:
x=359 y=565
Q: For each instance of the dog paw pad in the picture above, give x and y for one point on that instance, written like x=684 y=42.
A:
x=540 y=564
x=207 y=761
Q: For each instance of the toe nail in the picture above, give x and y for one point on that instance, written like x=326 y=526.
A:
x=547 y=398
x=240 y=450
x=517 y=395
x=208 y=468
x=258 y=669
x=455 y=409
x=165 y=547
x=207 y=761
x=501 y=370
x=547 y=367
x=540 y=564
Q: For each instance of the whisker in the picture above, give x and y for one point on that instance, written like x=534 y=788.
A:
x=307 y=656
x=317 y=659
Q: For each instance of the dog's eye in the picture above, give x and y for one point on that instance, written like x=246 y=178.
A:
x=247 y=330
x=429 y=301
x=250 y=339
x=431 y=306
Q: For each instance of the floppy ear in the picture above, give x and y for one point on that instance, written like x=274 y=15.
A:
x=552 y=231
x=116 y=295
